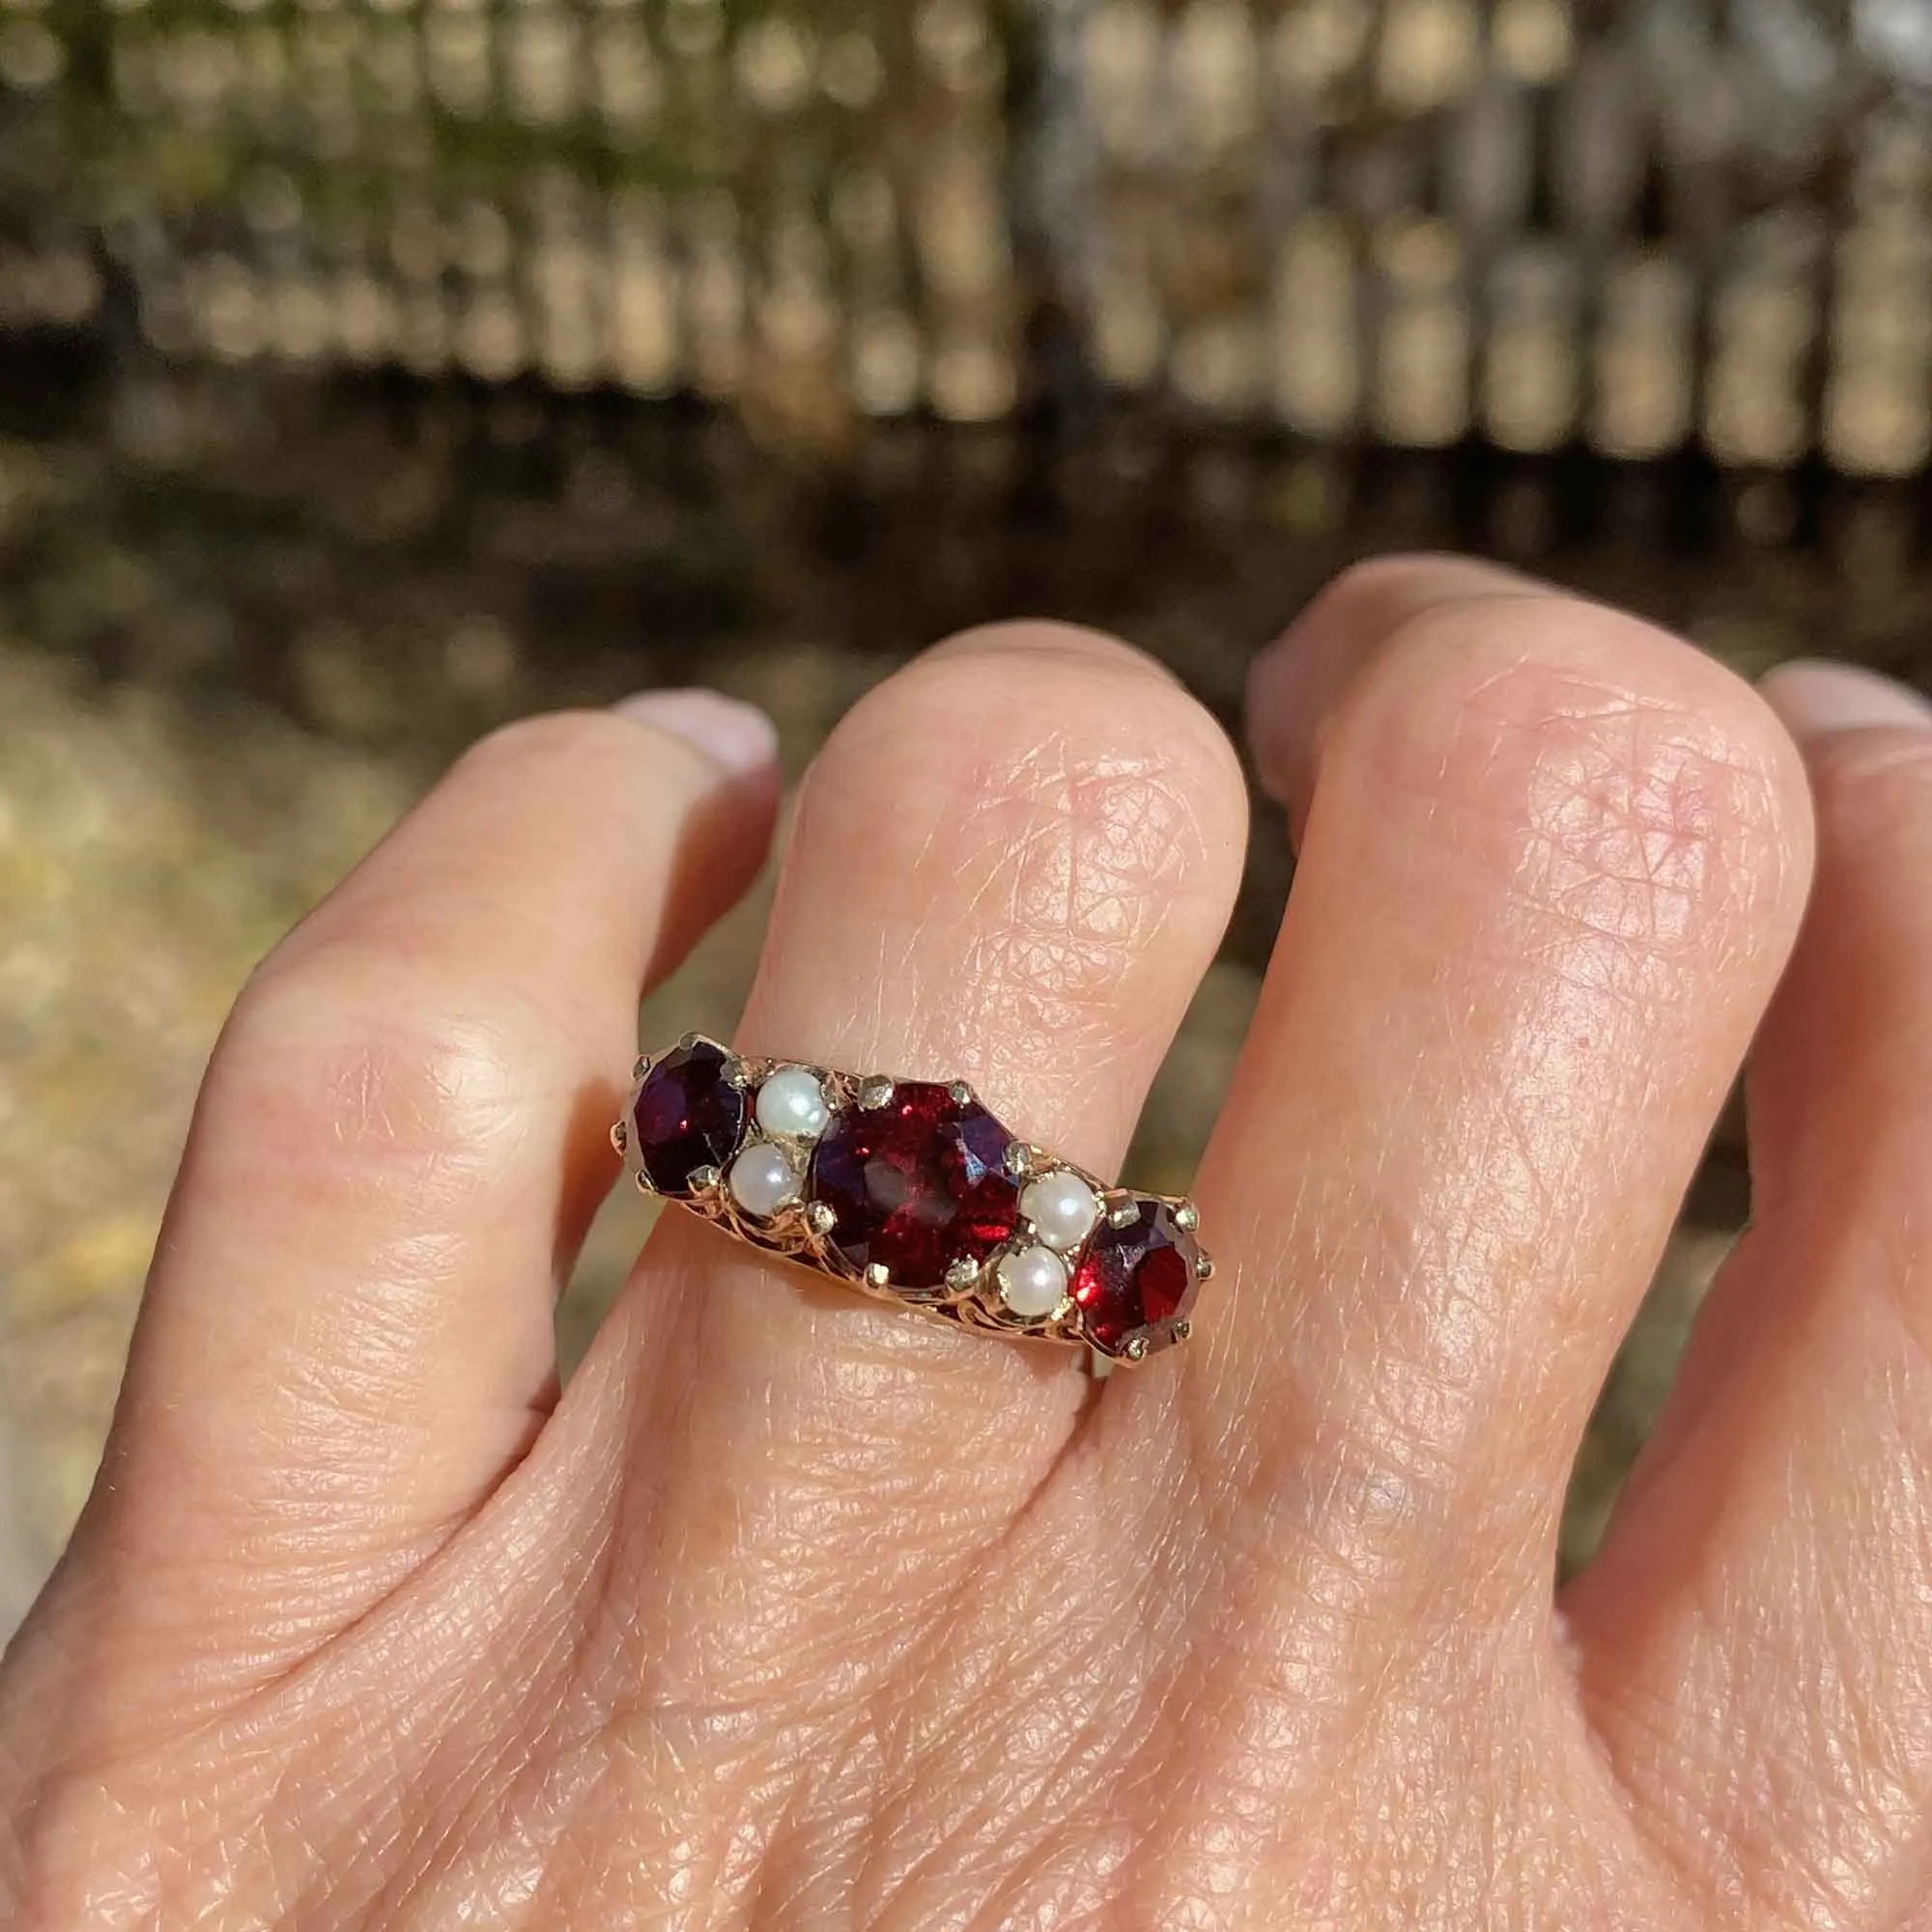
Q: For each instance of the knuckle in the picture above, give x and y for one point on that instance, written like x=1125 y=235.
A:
x=1634 y=793
x=1092 y=863
x=341 y=1073
x=1063 y=809
x=1084 y=810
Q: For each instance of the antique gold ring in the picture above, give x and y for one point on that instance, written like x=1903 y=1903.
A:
x=910 y=1190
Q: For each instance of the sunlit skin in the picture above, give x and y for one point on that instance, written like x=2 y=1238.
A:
x=798 y=1612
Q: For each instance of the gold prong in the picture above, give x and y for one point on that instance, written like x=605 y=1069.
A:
x=620 y=1137
x=687 y=1041
x=704 y=1178
x=1183 y=1329
x=641 y=1067
x=1019 y=1160
x=820 y=1218
x=1203 y=1269
x=1123 y=1214
x=1136 y=1347
x=736 y=1074
x=643 y=1182
x=962 y=1274
x=960 y=1092
x=876 y=1091
x=878 y=1276
x=1187 y=1217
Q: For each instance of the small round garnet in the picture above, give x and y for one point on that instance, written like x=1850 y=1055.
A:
x=916 y=1185
x=687 y=1115
x=1136 y=1281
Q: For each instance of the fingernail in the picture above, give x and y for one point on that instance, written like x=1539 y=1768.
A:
x=1280 y=733
x=1814 y=697
x=737 y=735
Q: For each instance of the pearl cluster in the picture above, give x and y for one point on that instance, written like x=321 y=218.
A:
x=791 y=1111
x=1060 y=1210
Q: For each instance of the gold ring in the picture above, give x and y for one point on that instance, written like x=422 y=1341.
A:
x=910 y=1190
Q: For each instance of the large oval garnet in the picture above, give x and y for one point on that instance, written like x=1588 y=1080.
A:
x=916 y=1185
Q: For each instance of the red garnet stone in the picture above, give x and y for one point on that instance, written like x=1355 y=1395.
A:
x=916 y=1185
x=1137 y=1282
x=687 y=1115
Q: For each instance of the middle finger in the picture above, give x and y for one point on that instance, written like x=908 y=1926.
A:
x=1552 y=865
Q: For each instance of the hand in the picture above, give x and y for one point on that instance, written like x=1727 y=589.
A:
x=801 y=1613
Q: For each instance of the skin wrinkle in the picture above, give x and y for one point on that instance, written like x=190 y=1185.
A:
x=417 y=1125
x=1898 y=1232
x=387 y=1063
x=227 y=1755
x=789 y=1595
x=1881 y=1807
x=447 y=1764
x=1411 y=1428
x=161 y=1827
x=1039 y=969
x=425 y=1831
x=350 y=1358
x=1516 y=1128
x=1087 y=857
x=508 y=1864
x=1851 y=1647
x=945 y=1649
x=1580 y=822
x=1729 y=1818
x=949 y=1698
x=1583 y=857
x=1278 y=1663
x=984 y=1713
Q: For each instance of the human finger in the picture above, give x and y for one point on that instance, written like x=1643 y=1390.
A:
x=345 y=1336
x=1755 y=1637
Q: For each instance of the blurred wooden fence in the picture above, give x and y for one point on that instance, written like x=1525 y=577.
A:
x=1636 y=225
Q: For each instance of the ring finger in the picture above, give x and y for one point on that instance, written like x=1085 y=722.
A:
x=1010 y=864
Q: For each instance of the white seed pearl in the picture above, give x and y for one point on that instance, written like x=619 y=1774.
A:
x=1062 y=1208
x=1033 y=1281
x=791 y=1101
x=761 y=1180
